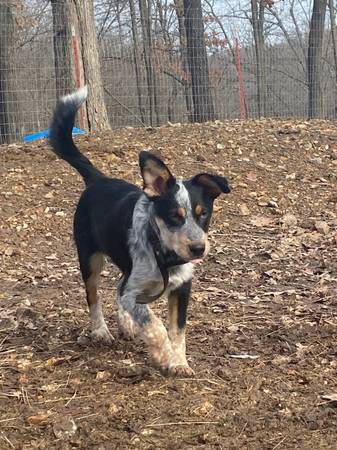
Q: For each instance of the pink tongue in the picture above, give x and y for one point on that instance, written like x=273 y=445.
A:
x=196 y=261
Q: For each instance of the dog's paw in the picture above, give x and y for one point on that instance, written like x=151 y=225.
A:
x=126 y=326
x=102 y=336
x=180 y=370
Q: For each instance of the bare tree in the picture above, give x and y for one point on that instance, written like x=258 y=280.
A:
x=9 y=111
x=63 y=55
x=258 y=10
x=145 y=17
x=315 y=48
x=179 y=6
x=334 y=44
x=198 y=62
x=97 y=116
x=137 y=59
x=77 y=58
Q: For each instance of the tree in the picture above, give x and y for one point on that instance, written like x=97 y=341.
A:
x=198 y=62
x=63 y=56
x=315 y=49
x=179 y=7
x=258 y=10
x=137 y=60
x=145 y=18
x=75 y=27
x=9 y=111
x=334 y=45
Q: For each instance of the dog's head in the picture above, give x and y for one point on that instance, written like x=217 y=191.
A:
x=182 y=209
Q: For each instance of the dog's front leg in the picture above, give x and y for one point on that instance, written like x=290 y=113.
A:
x=141 y=320
x=178 y=302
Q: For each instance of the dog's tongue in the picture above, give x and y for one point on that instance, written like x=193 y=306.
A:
x=197 y=261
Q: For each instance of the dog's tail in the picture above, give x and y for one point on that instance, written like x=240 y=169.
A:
x=61 y=135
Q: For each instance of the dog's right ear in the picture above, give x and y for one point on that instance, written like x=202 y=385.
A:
x=157 y=178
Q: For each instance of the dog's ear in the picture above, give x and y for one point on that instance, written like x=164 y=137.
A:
x=157 y=178
x=213 y=185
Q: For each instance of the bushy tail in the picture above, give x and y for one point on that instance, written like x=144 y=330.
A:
x=61 y=135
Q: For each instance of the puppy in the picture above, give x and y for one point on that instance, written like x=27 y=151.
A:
x=154 y=236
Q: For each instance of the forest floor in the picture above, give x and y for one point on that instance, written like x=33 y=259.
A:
x=262 y=325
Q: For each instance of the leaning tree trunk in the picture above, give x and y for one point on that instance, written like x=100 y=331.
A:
x=9 y=109
x=198 y=63
x=315 y=49
x=257 y=7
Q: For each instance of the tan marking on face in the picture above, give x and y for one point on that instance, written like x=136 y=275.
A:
x=198 y=210
x=181 y=212
x=178 y=241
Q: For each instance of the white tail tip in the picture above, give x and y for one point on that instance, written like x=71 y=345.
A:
x=77 y=97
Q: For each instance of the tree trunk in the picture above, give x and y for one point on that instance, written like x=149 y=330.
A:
x=198 y=63
x=77 y=58
x=9 y=108
x=179 y=6
x=137 y=60
x=315 y=48
x=64 y=76
x=258 y=7
x=333 y=39
x=96 y=112
x=145 y=17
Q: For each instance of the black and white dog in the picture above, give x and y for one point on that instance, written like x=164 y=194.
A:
x=154 y=235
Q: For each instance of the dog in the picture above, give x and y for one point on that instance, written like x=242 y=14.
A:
x=154 y=235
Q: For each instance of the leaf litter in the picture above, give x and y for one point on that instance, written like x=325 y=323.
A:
x=267 y=289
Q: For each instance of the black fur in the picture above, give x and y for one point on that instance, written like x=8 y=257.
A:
x=105 y=219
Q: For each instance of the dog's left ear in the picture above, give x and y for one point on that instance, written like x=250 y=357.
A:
x=213 y=185
x=157 y=178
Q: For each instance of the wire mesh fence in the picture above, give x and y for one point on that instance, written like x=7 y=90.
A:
x=158 y=61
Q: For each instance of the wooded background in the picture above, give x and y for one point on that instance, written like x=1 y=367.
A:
x=149 y=62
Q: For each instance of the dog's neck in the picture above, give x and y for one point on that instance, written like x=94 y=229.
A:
x=165 y=259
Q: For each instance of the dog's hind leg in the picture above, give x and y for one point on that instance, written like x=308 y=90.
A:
x=91 y=265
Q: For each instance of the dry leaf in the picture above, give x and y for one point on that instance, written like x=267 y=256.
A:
x=288 y=221
x=261 y=221
x=202 y=410
x=38 y=419
x=322 y=227
x=244 y=210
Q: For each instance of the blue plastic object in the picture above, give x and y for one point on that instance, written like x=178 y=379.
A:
x=45 y=133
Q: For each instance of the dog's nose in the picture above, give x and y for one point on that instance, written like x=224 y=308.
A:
x=197 y=249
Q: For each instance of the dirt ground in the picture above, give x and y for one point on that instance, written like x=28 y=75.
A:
x=262 y=321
